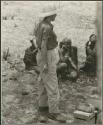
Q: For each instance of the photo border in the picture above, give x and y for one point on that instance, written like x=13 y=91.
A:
x=101 y=51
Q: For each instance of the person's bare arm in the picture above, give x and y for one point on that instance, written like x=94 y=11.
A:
x=44 y=51
x=61 y=54
x=72 y=63
x=45 y=37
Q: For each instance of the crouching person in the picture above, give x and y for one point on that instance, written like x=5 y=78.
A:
x=67 y=65
x=30 y=58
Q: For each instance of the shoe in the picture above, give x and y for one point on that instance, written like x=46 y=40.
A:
x=43 y=111
x=57 y=117
x=43 y=119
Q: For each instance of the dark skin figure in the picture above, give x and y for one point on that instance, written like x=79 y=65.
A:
x=30 y=56
x=90 y=64
x=66 y=62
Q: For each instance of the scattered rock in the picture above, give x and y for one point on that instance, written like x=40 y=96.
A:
x=25 y=93
x=80 y=96
x=86 y=107
x=9 y=99
x=94 y=96
x=94 y=90
x=15 y=25
x=70 y=118
x=95 y=101
x=4 y=78
x=13 y=74
x=28 y=119
x=4 y=18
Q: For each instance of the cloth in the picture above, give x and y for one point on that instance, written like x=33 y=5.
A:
x=90 y=56
x=44 y=31
x=48 y=86
x=30 y=57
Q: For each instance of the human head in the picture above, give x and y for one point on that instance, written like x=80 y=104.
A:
x=48 y=13
x=66 y=45
x=51 y=17
x=92 y=38
x=67 y=41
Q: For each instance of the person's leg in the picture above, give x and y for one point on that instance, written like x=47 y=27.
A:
x=61 y=69
x=73 y=75
x=51 y=85
x=53 y=97
x=42 y=99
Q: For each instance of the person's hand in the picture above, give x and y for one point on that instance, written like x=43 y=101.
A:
x=34 y=51
x=45 y=69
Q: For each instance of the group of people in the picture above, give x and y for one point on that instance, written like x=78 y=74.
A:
x=52 y=63
x=67 y=66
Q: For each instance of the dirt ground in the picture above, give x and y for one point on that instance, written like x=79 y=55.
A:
x=75 y=20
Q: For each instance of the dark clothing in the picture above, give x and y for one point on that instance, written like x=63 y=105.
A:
x=90 y=49
x=30 y=58
x=90 y=63
x=91 y=53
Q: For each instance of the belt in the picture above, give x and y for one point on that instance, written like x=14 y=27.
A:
x=47 y=49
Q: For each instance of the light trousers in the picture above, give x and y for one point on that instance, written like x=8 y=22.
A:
x=48 y=86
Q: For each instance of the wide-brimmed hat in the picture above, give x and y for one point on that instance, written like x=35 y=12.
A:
x=48 y=11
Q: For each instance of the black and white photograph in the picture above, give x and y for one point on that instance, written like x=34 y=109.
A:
x=51 y=62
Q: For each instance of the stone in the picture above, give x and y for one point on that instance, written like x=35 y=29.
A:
x=89 y=108
x=83 y=115
x=70 y=118
x=27 y=119
x=94 y=90
x=13 y=74
x=20 y=66
x=9 y=98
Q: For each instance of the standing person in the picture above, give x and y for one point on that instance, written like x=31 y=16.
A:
x=47 y=58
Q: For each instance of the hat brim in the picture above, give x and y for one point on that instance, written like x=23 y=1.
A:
x=43 y=15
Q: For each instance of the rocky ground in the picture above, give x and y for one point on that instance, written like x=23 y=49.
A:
x=19 y=87
x=19 y=95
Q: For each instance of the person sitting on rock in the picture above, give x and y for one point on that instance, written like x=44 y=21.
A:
x=67 y=65
x=30 y=57
x=90 y=63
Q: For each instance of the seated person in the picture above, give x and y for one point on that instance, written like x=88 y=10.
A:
x=30 y=58
x=67 y=65
x=90 y=63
